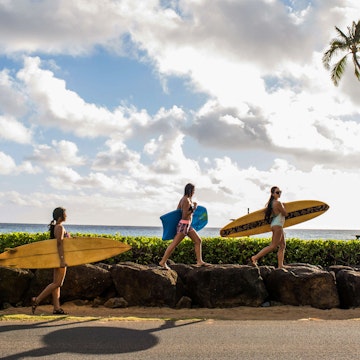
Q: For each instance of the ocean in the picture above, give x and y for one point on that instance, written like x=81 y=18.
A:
x=154 y=231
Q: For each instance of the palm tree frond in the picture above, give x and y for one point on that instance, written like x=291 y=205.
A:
x=357 y=73
x=338 y=70
x=356 y=62
x=357 y=31
x=357 y=67
x=327 y=58
x=336 y=45
x=343 y=43
x=341 y=34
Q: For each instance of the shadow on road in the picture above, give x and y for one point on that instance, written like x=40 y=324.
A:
x=86 y=340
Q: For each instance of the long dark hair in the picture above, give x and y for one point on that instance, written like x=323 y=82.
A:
x=268 y=210
x=189 y=189
x=57 y=213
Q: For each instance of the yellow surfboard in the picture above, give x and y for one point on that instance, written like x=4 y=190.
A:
x=255 y=223
x=77 y=251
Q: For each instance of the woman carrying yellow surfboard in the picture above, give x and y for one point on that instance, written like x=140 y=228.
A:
x=275 y=214
x=57 y=231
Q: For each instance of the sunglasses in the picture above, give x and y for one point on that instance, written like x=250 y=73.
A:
x=278 y=192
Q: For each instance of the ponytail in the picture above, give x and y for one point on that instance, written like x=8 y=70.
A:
x=52 y=228
x=269 y=210
x=57 y=213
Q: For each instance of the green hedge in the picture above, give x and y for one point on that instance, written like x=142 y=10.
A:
x=149 y=250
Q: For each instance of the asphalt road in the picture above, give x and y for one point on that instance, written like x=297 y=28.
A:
x=186 y=339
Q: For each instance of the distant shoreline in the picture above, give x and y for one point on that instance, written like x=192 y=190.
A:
x=156 y=231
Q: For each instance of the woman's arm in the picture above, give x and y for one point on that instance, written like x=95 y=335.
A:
x=59 y=232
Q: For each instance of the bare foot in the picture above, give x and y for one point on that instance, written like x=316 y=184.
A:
x=164 y=266
x=34 y=305
x=203 y=264
x=251 y=262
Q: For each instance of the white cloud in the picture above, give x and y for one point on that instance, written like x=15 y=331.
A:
x=227 y=128
x=9 y=167
x=12 y=98
x=116 y=157
x=13 y=130
x=7 y=164
x=60 y=153
x=71 y=27
x=170 y=159
x=268 y=96
x=63 y=108
x=63 y=178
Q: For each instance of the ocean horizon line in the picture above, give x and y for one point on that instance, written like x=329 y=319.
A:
x=160 y=226
x=157 y=231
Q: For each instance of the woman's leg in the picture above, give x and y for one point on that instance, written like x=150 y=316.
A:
x=277 y=231
x=53 y=288
x=59 y=277
x=177 y=239
x=193 y=235
x=281 y=251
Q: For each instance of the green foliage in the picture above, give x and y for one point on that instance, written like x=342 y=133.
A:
x=11 y=240
x=217 y=250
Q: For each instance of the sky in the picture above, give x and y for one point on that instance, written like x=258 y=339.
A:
x=109 y=108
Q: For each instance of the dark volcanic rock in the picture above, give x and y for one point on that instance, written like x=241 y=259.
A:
x=303 y=284
x=146 y=286
x=348 y=284
x=185 y=286
x=226 y=286
x=13 y=285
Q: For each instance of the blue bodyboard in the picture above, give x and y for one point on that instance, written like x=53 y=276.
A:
x=171 y=219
